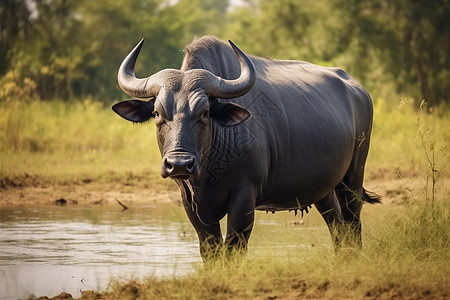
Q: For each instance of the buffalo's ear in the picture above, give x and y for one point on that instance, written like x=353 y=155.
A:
x=135 y=110
x=228 y=114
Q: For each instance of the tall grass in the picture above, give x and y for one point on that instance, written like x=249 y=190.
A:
x=405 y=256
x=68 y=140
x=64 y=141
x=411 y=143
x=396 y=135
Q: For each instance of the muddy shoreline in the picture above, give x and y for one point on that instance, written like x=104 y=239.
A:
x=91 y=193
x=391 y=187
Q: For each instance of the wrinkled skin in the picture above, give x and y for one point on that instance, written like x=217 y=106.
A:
x=295 y=135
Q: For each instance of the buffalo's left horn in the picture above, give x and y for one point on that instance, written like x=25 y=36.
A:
x=137 y=87
x=218 y=87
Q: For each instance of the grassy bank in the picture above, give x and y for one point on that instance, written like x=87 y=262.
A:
x=405 y=256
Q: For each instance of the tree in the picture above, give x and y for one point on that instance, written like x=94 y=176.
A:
x=69 y=49
x=40 y=51
x=119 y=25
x=73 y=49
x=14 y=25
x=410 y=38
x=402 y=43
x=281 y=29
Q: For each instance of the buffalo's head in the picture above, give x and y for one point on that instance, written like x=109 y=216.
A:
x=185 y=107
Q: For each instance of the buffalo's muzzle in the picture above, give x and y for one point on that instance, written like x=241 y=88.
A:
x=179 y=166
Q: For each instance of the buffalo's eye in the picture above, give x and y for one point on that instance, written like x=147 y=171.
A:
x=159 y=120
x=203 y=118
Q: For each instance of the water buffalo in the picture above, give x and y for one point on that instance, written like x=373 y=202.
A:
x=296 y=134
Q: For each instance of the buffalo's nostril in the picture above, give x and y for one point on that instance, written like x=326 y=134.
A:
x=169 y=167
x=178 y=165
x=190 y=166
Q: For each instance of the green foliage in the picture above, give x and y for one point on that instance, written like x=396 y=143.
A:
x=419 y=228
x=72 y=49
x=410 y=40
x=280 y=29
x=14 y=26
x=397 y=46
x=15 y=86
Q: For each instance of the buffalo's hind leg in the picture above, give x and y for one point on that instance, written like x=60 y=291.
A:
x=351 y=204
x=350 y=193
x=330 y=210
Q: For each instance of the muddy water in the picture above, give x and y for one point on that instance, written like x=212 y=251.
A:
x=45 y=250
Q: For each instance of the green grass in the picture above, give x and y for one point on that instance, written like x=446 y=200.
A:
x=405 y=256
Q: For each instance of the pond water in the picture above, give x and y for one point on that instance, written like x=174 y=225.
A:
x=49 y=249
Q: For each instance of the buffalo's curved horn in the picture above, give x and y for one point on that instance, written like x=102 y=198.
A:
x=137 y=87
x=218 y=87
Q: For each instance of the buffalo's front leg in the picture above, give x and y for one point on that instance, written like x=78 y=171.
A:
x=210 y=236
x=211 y=242
x=241 y=215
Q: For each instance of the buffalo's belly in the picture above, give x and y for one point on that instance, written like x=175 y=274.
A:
x=299 y=190
x=282 y=203
x=289 y=201
x=305 y=166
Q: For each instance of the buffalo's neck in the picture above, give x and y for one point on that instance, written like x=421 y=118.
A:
x=228 y=145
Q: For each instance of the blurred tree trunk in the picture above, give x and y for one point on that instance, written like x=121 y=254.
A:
x=14 y=21
x=423 y=80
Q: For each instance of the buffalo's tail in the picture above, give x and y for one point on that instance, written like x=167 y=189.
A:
x=370 y=197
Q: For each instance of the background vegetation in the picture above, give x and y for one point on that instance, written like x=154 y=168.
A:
x=71 y=49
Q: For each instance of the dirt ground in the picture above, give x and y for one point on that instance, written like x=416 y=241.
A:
x=392 y=187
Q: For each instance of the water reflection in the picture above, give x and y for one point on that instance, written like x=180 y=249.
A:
x=48 y=249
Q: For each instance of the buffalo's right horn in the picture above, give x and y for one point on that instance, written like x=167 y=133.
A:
x=218 y=87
